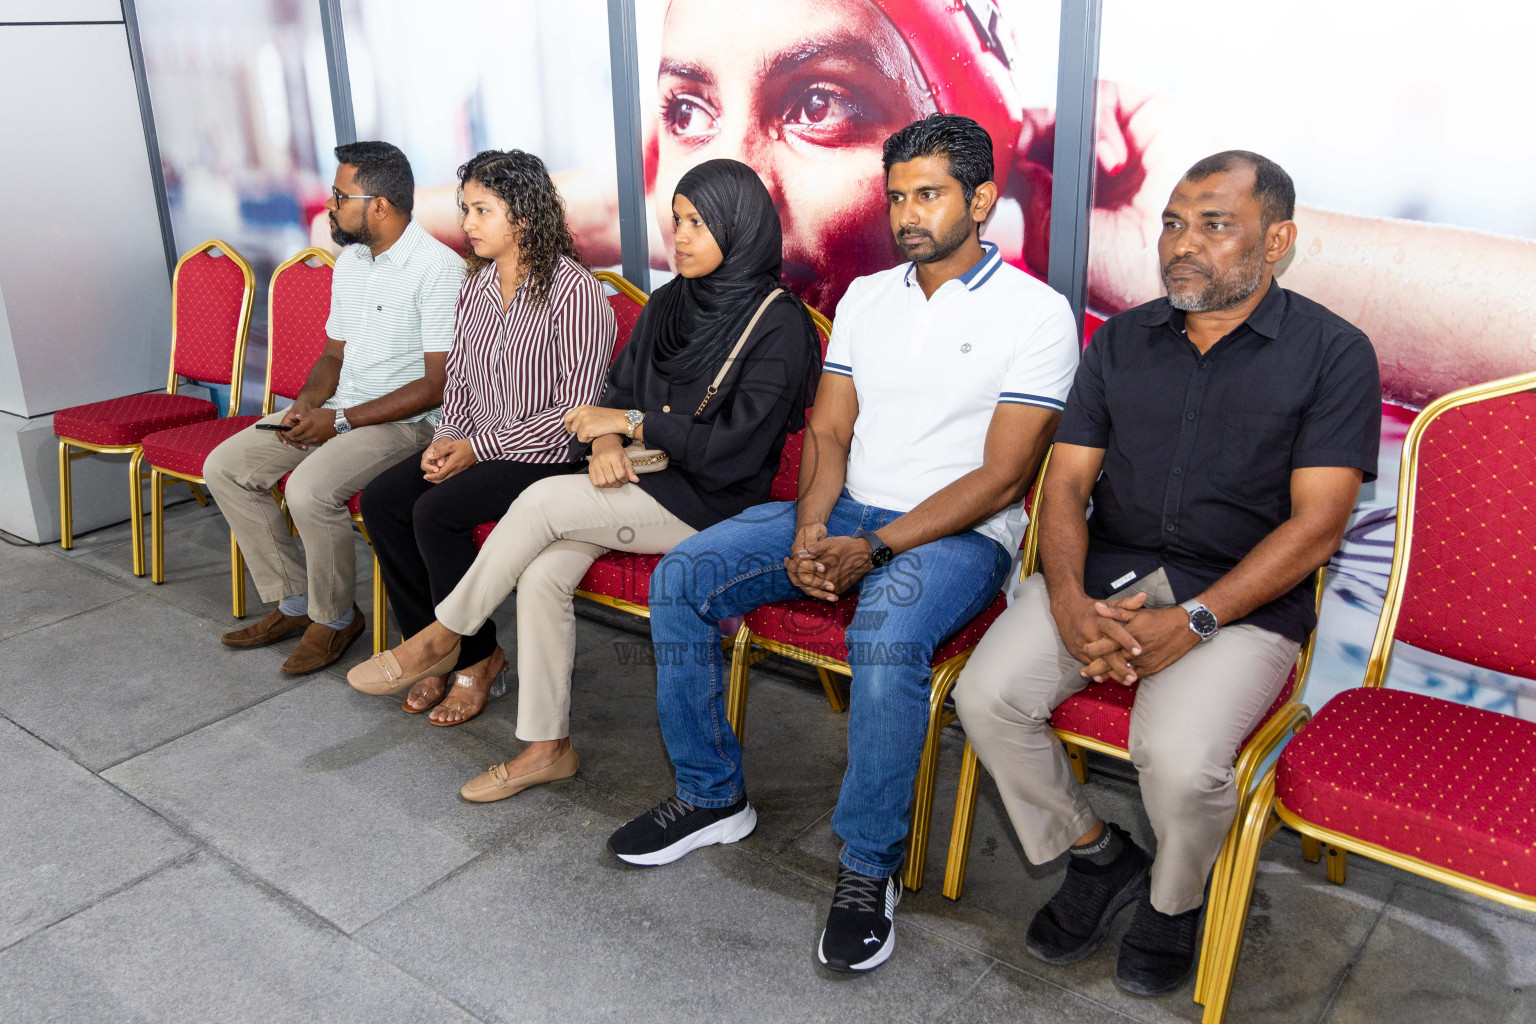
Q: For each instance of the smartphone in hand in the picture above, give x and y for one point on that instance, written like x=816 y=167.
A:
x=274 y=426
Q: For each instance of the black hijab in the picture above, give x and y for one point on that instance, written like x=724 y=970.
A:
x=697 y=321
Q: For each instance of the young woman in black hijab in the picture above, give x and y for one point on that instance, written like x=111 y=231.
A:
x=722 y=435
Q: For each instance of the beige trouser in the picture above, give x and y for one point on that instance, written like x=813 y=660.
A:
x=543 y=547
x=241 y=473
x=1186 y=725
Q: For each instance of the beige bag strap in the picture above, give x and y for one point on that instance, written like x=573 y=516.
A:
x=725 y=367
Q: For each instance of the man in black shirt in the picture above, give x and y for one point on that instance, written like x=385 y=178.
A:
x=1222 y=434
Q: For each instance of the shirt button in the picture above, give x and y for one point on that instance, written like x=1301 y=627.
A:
x=666 y=408
x=1189 y=415
x=1178 y=471
x=379 y=308
x=1204 y=365
x=1169 y=527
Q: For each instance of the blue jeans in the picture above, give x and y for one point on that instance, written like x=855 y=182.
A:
x=906 y=610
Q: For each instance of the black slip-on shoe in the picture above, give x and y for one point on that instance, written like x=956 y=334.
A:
x=1158 y=953
x=1073 y=924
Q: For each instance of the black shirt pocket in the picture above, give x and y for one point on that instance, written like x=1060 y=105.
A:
x=1255 y=459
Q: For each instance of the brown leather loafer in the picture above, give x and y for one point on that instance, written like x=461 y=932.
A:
x=323 y=645
x=269 y=630
x=495 y=784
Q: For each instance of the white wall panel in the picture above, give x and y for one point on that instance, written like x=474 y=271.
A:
x=81 y=262
x=60 y=10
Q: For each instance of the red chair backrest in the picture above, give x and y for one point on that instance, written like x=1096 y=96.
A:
x=786 y=482
x=301 y=302
x=1469 y=587
x=626 y=311
x=210 y=300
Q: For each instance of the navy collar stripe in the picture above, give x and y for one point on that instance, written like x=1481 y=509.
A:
x=978 y=275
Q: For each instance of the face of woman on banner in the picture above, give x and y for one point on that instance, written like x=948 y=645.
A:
x=805 y=92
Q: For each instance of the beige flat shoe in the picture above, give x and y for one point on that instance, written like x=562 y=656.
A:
x=382 y=674
x=495 y=784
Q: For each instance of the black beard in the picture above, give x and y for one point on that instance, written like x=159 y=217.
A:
x=1222 y=291
x=346 y=238
x=942 y=249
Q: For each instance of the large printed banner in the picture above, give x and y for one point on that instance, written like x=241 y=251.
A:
x=1417 y=201
x=806 y=92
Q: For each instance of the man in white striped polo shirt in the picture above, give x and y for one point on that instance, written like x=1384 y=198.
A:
x=371 y=400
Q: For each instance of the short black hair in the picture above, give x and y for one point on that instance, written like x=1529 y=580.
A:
x=962 y=140
x=382 y=170
x=1272 y=187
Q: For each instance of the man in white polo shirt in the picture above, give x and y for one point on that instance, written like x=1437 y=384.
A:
x=939 y=394
x=371 y=400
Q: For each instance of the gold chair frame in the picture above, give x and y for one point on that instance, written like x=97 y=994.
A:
x=945 y=675
x=1264 y=813
x=71 y=448
x=157 y=476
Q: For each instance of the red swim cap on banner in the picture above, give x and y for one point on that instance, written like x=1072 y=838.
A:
x=966 y=51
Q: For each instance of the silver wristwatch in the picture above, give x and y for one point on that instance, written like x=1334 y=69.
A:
x=634 y=418
x=342 y=426
x=1201 y=620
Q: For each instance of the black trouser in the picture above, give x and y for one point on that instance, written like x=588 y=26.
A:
x=423 y=534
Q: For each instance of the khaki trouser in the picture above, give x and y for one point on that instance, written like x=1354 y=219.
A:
x=1186 y=725
x=242 y=471
x=544 y=545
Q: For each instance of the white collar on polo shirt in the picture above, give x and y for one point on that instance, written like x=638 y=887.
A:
x=974 y=278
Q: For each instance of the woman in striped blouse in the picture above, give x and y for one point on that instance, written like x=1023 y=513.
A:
x=723 y=452
x=533 y=337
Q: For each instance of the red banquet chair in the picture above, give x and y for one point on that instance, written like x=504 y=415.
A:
x=815 y=633
x=1439 y=789
x=1099 y=718
x=211 y=295
x=298 y=303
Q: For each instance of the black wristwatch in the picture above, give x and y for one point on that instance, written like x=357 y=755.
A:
x=1201 y=620
x=880 y=553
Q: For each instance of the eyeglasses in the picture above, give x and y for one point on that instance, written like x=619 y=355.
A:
x=342 y=197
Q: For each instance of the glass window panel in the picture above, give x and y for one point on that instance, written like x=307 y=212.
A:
x=243 y=117
x=449 y=79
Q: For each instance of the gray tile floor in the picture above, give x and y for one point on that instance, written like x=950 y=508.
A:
x=188 y=835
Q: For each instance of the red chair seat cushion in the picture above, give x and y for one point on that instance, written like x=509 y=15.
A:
x=616 y=574
x=1102 y=711
x=1449 y=784
x=184 y=449
x=354 y=503
x=126 y=421
x=622 y=575
x=821 y=629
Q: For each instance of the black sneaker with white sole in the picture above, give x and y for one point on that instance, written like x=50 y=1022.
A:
x=861 y=926
x=675 y=827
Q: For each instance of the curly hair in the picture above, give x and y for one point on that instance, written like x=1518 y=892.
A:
x=535 y=208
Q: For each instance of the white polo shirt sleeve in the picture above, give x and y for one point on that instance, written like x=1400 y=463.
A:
x=1045 y=359
x=436 y=302
x=839 y=357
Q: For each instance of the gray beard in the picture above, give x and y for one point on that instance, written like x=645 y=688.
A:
x=1222 y=292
